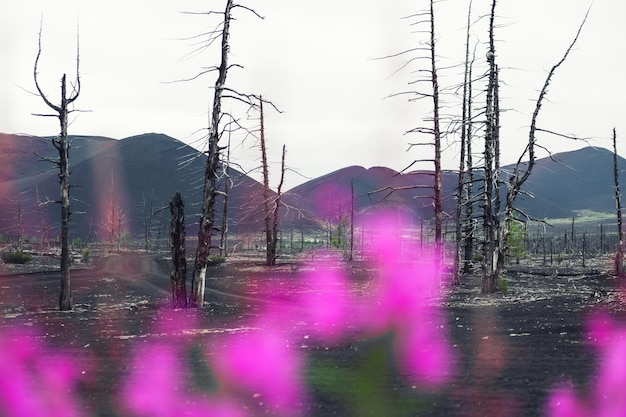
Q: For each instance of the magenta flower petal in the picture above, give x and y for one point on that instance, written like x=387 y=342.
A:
x=34 y=380
x=563 y=402
x=425 y=354
x=263 y=364
x=326 y=304
x=151 y=388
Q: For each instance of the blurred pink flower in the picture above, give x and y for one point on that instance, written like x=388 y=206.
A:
x=405 y=301
x=157 y=386
x=564 y=403
x=264 y=365
x=34 y=380
x=607 y=398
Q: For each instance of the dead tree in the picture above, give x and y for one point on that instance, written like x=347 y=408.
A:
x=177 y=241
x=207 y=219
x=470 y=226
x=275 y=210
x=436 y=136
x=435 y=131
x=210 y=189
x=522 y=171
x=619 y=256
x=271 y=208
x=270 y=253
x=462 y=197
x=61 y=143
x=351 y=256
x=227 y=186
x=491 y=175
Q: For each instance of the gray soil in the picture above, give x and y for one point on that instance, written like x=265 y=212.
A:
x=512 y=349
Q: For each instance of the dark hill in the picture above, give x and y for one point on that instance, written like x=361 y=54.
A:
x=124 y=181
x=558 y=187
x=117 y=182
x=329 y=197
x=572 y=181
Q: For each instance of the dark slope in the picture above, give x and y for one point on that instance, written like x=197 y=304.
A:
x=558 y=187
x=124 y=180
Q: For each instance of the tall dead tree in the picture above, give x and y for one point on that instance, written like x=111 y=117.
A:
x=179 y=261
x=61 y=143
x=351 y=256
x=267 y=214
x=462 y=198
x=227 y=187
x=271 y=205
x=619 y=256
x=522 y=171
x=210 y=189
x=276 y=209
x=469 y=226
x=427 y=17
x=436 y=136
x=207 y=218
x=491 y=183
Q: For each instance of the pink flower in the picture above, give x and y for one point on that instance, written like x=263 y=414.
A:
x=405 y=302
x=158 y=387
x=607 y=398
x=36 y=381
x=152 y=386
x=424 y=353
x=264 y=365
x=564 y=403
x=323 y=307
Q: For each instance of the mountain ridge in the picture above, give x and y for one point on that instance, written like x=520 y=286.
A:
x=138 y=174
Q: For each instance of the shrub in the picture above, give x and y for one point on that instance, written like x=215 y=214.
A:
x=215 y=260
x=477 y=257
x=86 y=253
x=504 y=286
x=559 y=258
x=15 y=257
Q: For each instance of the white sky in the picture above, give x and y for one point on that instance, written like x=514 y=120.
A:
x=314 y=60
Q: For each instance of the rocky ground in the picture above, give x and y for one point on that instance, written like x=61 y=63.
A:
x=512 y=349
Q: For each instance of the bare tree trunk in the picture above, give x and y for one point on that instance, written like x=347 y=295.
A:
x=351 y=257
x=489 y=281
x=177 y=241
x=520 y=175
x=227 y=184
x=619 y=256
x=461 y=184
x=437 y=137
x=277 y=203
x=62 y=145
x=469 y=208
x=270 y=252
x=207 y=219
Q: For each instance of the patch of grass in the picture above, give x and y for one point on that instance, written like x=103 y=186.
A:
x=215 y=260
x=583 y=219
x=477 y=257
x=504 y=286
x=15 y=257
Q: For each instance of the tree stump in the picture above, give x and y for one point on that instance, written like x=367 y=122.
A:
x=177 y=240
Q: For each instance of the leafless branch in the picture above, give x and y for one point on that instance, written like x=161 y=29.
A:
x=208 y=70
x=572 y=137
x=248 y=9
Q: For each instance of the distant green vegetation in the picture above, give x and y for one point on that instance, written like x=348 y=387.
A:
x=585 y=218
x=216 y=260
x=15 y=257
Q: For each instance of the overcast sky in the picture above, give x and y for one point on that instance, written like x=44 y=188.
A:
x=316 y=61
